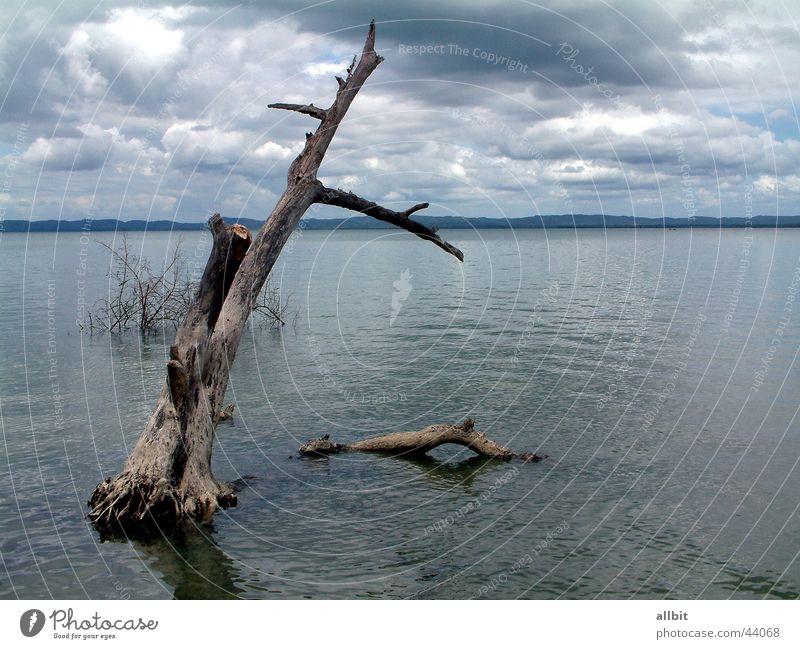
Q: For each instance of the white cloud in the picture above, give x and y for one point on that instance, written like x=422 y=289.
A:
x=457 y=170
x=766 y=184
x=78 y=52
x=177 y=97
x=142 y=34
x=95 y=148
x=326 y=69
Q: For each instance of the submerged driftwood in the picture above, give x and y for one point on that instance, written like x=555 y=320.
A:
x=419 y=442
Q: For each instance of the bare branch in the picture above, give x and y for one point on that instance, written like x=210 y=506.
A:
x=349 y=201
x=369 y=43
x=306 y=109
x=305 y=166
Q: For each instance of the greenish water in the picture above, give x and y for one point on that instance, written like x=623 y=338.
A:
x=657 y=370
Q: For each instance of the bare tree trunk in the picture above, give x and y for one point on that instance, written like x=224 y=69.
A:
x=168 y=476
x=167 y=479
x=419 y=442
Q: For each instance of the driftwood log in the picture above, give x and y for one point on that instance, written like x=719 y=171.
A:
x=419 y=442
x=167 y=478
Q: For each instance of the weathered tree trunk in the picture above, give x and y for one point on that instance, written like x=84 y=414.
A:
x=167 y=479
x=168 y=475
x=419 y=442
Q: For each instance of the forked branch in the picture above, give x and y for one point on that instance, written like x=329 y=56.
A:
x=349 y=201
x=306 y=165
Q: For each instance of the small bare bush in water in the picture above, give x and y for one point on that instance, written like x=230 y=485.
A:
x=141 y=298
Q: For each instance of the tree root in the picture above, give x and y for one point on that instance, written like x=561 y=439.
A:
x=131 y=504
x=420 y=442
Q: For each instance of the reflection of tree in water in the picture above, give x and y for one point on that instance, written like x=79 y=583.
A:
x=193 y=564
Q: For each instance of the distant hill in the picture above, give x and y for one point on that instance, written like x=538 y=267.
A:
x=442 y=222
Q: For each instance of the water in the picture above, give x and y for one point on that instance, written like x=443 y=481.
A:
x=639 y=362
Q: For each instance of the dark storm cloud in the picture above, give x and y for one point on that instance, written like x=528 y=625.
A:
x=629 y=45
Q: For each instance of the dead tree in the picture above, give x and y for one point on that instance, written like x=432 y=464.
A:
x=420 y=442
x=167 y=478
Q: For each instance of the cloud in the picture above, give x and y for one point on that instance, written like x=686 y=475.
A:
x=572 y=106
x=94 y=149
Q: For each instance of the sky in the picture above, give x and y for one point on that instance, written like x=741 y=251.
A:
x=148 y=110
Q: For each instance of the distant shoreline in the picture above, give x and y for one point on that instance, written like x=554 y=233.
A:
x=553 y=221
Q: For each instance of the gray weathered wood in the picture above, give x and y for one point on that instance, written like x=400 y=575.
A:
x=167 y=478
x=419 y=442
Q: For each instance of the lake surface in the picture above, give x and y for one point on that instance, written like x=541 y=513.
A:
x=657 y=370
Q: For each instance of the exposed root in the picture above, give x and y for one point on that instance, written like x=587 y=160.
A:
x=131 y=503
x=420 y=442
